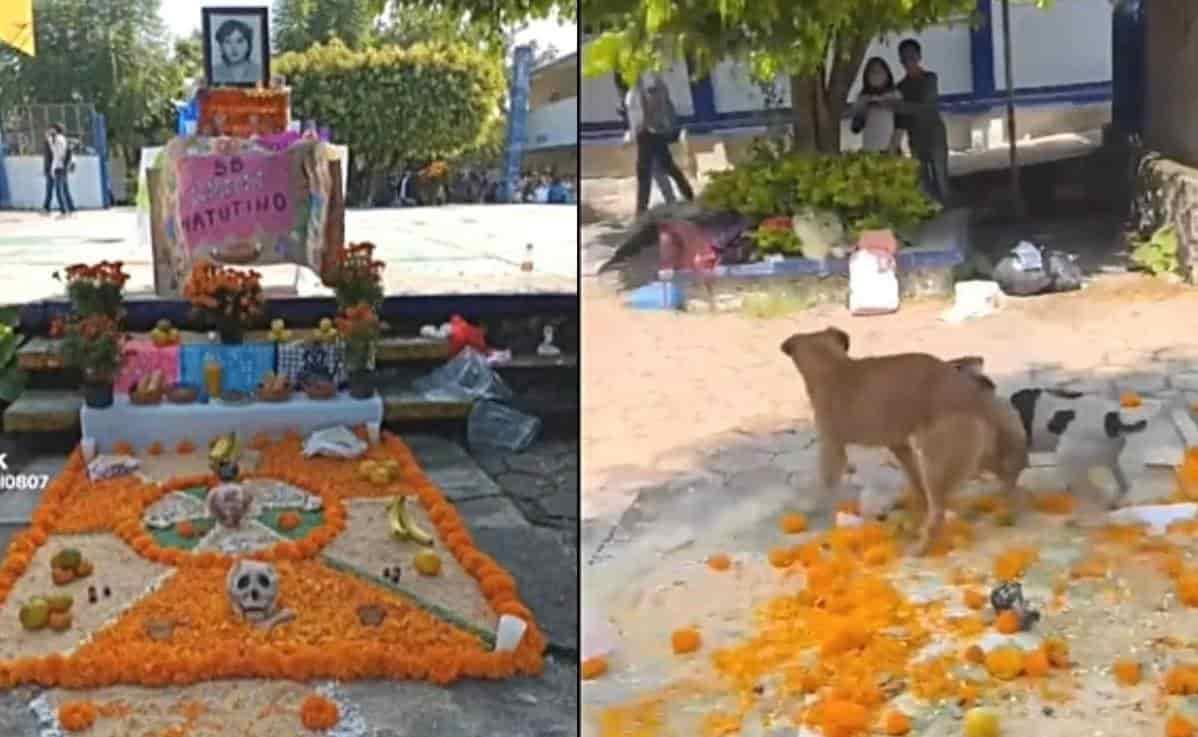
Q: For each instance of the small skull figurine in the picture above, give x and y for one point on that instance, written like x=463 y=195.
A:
x=253 y=589
x=228 y=503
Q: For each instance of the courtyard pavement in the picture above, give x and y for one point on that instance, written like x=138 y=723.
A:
x=455 y=249
x=697 y=437
x=523 y=512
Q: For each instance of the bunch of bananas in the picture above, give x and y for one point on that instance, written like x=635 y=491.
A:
x=402 y=526
x=279 y=332
x=224 y=449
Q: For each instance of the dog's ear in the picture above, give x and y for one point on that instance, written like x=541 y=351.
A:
x=972 y=364
x=841 y=336
x=1024 y=401
x=789 y=344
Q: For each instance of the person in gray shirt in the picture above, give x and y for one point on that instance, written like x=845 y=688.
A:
x=919 y=114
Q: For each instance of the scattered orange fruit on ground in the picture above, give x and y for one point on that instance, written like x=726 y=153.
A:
x=974 y=599
x=1036 y=663
x=844 y=718
x=1057 y=651
x=1187 y=588
x=1012 y=564
x=1127 y=672
x=719 y=562
x=76 y=716
x=1179 y=726
x=1007 y=622
x=793 y=524
x=974 y=654
x=289 y=520
x=1130 y=400
x=1182 y=680
x=318 y=713
x=593 y=668
x=781 y=557
x=1058 y=503
x=896 y=723
x=686 y=640
x=1089 y=568
x=1005 y=663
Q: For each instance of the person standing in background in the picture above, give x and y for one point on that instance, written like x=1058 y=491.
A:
x=658 y=173
x=871 y=119
x=48 y=169
x=919 y=115
x=652 y=117
x=60 y=159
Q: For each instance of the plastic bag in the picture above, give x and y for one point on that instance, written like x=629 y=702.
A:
x=496 y=425
x=873 y=283
x=1030 y=269
x=466 y=375
x=335 y=442
x=111 y=466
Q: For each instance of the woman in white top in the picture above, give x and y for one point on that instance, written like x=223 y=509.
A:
x=873 y=119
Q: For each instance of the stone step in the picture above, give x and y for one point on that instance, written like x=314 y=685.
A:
x=44 y=410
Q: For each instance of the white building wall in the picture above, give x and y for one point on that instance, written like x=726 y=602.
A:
x=1069 y=43
x=27 y=182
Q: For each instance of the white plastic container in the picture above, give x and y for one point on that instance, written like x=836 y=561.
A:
x=873 y=283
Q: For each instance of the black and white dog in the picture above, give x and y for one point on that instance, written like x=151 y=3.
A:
x=1085 y=432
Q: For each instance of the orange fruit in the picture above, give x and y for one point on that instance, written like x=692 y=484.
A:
x=793 y=524
x=686 y=640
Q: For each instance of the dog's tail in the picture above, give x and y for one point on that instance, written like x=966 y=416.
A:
x=1115 y=426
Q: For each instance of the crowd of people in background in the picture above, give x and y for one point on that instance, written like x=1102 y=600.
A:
x=478 y=186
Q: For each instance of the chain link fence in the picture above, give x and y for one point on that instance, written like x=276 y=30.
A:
x=24 y=128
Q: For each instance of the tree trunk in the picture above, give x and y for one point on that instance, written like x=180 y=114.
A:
x=818 y=99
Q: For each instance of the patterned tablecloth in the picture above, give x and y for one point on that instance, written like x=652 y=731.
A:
x=169 y=424
x=143 y=357
x=242 y=366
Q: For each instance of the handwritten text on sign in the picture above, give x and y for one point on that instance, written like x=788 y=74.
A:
x=229 y=197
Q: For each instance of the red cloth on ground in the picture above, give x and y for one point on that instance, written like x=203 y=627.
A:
x=684 y=246
x=462 y=335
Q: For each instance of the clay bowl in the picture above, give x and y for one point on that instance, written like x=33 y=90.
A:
x=182 y=394
x=146 y=399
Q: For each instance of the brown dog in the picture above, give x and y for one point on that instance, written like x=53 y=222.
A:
x=942 y=422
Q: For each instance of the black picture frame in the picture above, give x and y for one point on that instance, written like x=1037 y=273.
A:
x=257 y=19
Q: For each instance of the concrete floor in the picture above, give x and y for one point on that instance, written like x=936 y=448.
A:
x=456 y=249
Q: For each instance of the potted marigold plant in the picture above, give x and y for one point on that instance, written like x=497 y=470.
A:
x=94 y=345
x=225 y=298
x=96 y=289
x=360 y=328
x=355 y=277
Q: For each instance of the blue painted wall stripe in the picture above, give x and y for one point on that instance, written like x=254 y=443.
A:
x=100 y=137
x=961 y=103
x=517 y=121
x=981 y=51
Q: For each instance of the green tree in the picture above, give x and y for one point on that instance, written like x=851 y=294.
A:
x=407 y=25
x=111 y=53
x=393 y=104
x=503 y=13
x=299 y=24
x=818 y=45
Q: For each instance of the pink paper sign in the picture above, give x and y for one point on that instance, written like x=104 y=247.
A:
x=143 y=358
x=225 y=198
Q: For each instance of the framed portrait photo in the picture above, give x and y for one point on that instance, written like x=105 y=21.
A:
x=236 y=47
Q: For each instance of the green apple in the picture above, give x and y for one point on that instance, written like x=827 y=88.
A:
x=35 y=613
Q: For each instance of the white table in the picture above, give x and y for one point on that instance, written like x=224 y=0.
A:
x=169 y=424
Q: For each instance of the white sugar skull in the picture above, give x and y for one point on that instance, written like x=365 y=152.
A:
x=229 y=503
x=253 y=589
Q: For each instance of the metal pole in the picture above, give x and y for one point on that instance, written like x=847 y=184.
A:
x=1016 y=196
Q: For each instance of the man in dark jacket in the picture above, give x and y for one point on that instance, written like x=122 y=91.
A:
x=48 y=170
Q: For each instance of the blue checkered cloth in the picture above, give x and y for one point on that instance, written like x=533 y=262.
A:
x=242 y=366
x=299 y=360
